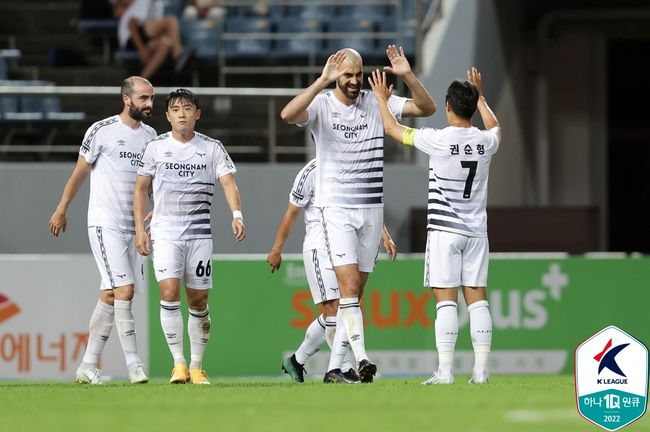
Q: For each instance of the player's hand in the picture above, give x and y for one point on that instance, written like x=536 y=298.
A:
x=332 y=69
x=239 y=229
x=274 y=259
x=142 y=243
x=399 y=65
x=378 y=85
x=58 y=222
x=391 y=248
x=474 y=76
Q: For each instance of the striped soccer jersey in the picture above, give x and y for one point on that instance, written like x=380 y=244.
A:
x=114 y=149
x=184 y=177
x=350 y=149
x=302 y=195
x=459 y=166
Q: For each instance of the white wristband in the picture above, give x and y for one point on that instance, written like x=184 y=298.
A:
x=237 y=214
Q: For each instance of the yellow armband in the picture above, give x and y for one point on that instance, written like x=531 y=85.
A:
x=407 y=136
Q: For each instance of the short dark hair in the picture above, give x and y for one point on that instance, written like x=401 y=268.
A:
x=182 y=94
x=463 y=98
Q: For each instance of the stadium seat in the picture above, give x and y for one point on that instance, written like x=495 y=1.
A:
x=322 y=12
x=355 y=27
x=173 y=7
x=249 y=46
x=375 y=12
x=300 y=47
x=202 y=36
x=8 y=104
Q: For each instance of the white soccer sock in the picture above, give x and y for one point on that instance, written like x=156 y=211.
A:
x=340 y=345
x=314 y=338
x=480 y=322
x=198 y=327
x=446 y=334
x=171 y=321
x=125 y=324
x=353 y=321
x=330 y=330
x=101 y=324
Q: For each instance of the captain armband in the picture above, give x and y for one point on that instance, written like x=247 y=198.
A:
x=407 y=136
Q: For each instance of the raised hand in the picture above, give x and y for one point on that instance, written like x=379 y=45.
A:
x=474 y=76
x=399 y=65
x=378 y=85
x=332 y=69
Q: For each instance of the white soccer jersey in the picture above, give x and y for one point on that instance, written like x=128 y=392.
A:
x=114 y=150
x=459 y=166
x=350 y=149
x=302 y=195
x=184 y=177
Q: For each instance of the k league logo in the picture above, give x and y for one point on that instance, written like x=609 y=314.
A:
x=611 y=378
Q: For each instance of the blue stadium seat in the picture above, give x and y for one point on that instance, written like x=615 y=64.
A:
x=359 y=41
x=405 y=38
x=248 y=48
x=376 y=12
x=298 y=47
x=321 y=12
x=8 y=104
x=202 y=36
x=173 y=7
x=274 y=11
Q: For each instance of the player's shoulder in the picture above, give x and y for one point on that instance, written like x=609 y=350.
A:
x=103 y=124
x=209 y=142
x=157 y=140
x=307 y=170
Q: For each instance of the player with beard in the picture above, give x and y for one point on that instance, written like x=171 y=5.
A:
x=110 y=152
x=349 y=135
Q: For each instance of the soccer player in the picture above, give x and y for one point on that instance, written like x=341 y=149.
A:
x=320 y=276
x=110 y=153
x=457 y=244
x=183 y=166
x=347 y=129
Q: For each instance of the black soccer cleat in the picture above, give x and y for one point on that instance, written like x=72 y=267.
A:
x=335 y=376
x=367 y=371
x=295 y=370
x=351 y=375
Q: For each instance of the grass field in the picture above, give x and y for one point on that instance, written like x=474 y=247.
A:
x=508 y=403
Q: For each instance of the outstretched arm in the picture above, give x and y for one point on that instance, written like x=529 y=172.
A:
x=296 y=110
x=231 y=192
x=422 y=104
x=382 y=92
x=59 y=221
x=274 y=258
x=489 y=119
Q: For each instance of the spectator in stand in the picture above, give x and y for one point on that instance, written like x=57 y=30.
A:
x=145 y=29
x=213 y=10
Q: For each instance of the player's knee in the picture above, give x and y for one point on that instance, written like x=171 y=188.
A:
x=107 y=296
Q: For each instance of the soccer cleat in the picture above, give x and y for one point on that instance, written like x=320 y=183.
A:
x=91 y=376
x=198 y=376
x=479 y=379
x=336 y=377
x=137 y=374
x=351 y=375
x=297 y=371
x=180 y=374
x=367 y=371
x=439 y=378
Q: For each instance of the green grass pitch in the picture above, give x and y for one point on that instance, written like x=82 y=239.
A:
x=508 y=403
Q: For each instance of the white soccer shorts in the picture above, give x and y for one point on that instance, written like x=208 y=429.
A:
x=320 y=275
x=117 y=259
x=452 y=260
x=353 y=235
x=187 y=260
